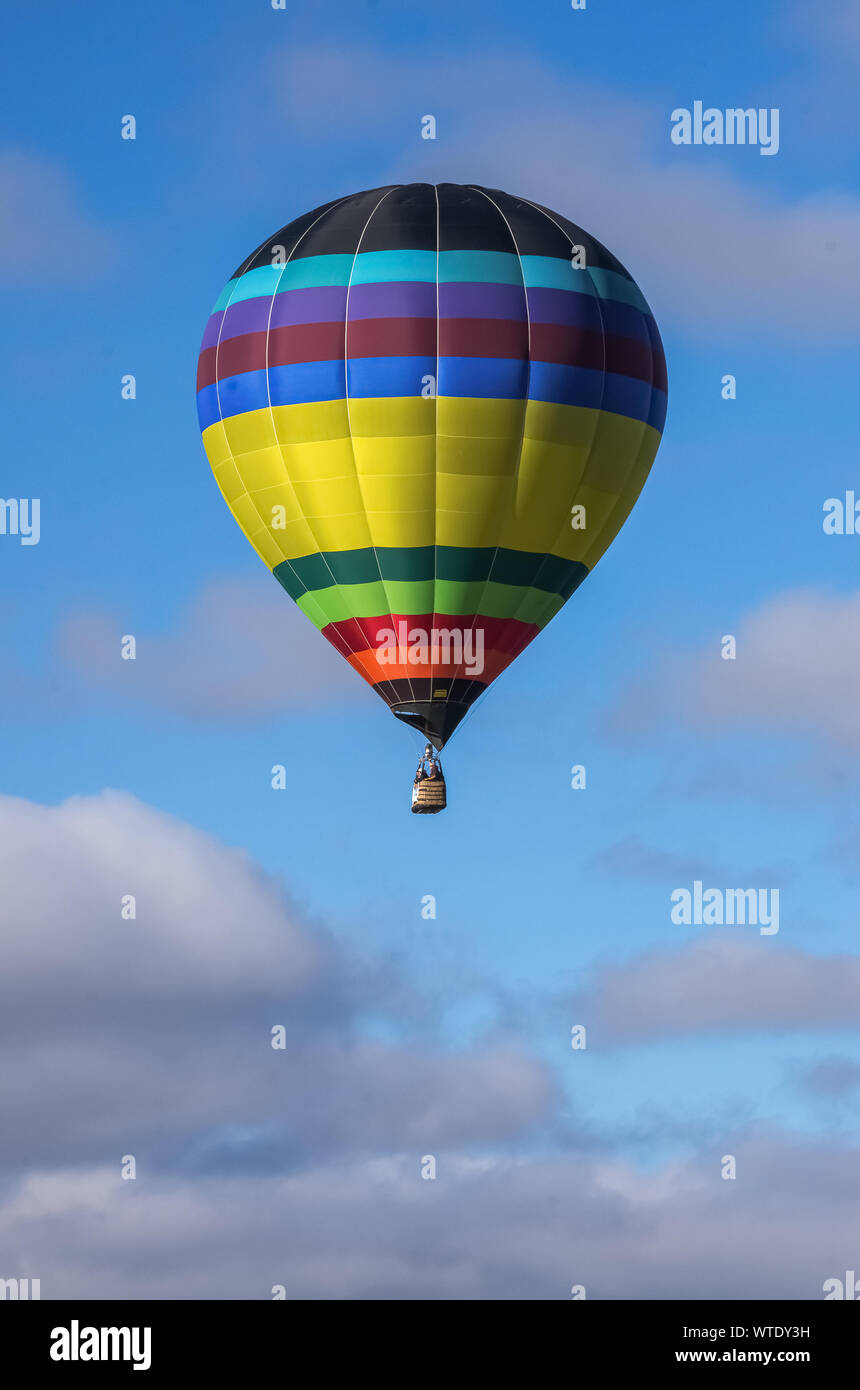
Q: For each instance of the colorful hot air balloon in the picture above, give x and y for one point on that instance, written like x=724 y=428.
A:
x=430 y=409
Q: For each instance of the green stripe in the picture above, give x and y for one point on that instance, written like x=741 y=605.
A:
x=469 y=267
x=335 y=605
x=520 y=568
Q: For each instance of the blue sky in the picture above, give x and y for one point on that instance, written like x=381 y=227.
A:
x=737 y=773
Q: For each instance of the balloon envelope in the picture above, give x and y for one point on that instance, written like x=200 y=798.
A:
x=430 y=409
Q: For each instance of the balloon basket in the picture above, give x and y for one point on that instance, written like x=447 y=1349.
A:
x=429 y=792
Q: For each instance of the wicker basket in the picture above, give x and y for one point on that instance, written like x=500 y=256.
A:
x=431 y=796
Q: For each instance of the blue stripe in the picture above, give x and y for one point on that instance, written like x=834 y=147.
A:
x=462 y=377
x=657 y=412
x=301 y=383
x=486 y=378
x=389 y=376
x=583 y=386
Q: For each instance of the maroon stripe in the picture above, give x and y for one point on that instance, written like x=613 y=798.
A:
x=297 y=342
x=500 y=634
x=568 y=345
x=316 y=342
x=564 y=344
x=391 y=338
x=581 y=347
x=483 y=338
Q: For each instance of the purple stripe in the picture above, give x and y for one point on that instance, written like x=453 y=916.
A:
x=245 y=316
x=587 y=311
x=565 y=307
x=325 y=304
x=318 y=304
x=210 y=336
x=417 y=299
x=395 y=299
x=481 y=301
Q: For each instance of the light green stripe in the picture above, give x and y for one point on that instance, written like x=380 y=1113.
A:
x=336 y=604
x=526 y=605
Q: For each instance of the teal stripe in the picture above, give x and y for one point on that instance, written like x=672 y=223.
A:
x=611 y=285
x=552 y=273
x=461 y=267
x=520 y=568
x=382 y=267
x=311 y=272
x=480 y=267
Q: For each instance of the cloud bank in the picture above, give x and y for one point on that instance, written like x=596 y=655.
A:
x=151 y=1036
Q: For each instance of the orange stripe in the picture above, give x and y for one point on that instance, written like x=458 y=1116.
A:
x=368 y=665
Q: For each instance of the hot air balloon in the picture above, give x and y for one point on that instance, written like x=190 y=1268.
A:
x=431 y=408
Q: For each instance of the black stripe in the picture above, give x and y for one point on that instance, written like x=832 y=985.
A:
x=596 y=253
x=286 y=237
x=406 y=220
x=469 y=222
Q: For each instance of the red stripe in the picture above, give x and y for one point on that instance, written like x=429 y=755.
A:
x=500 y=634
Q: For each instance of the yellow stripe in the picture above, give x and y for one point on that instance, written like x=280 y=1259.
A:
x=298 y=482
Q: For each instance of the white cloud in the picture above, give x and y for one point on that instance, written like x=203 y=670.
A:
x=833 y=27
x=723 y=984
x=154 y=1034
x=239 y=648
x=797 y=670
x=526 y=1229
x=255 y=1168
x=47 y=237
